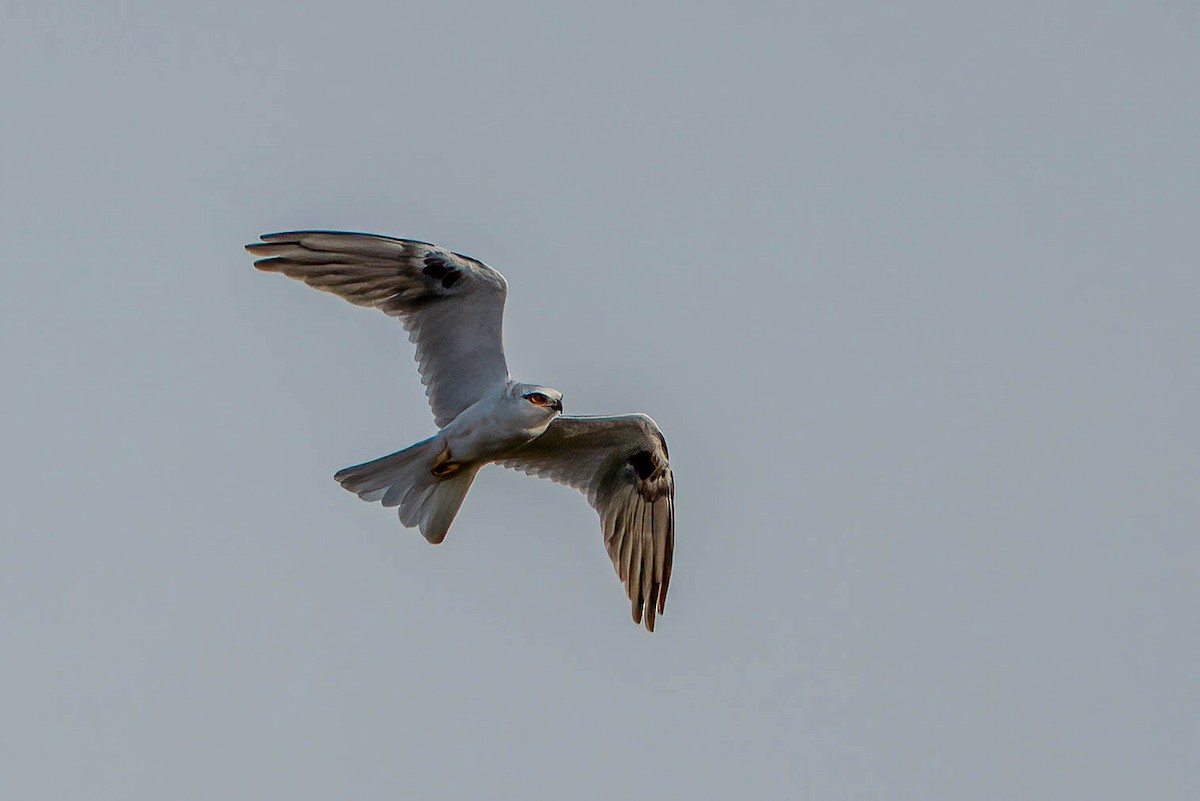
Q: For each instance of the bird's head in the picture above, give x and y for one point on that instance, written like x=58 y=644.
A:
x=545 y=399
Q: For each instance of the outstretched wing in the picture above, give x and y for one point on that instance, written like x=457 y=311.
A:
x=621 y=464
x=451 y=305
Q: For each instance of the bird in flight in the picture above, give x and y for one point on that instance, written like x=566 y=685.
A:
x=452 y=307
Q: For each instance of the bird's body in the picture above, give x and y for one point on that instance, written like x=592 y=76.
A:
x=498 y=423
x=452 y=306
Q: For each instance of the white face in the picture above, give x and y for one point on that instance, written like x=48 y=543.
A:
x=547 y=399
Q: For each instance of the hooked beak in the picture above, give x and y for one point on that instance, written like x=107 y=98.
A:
x=557 y=406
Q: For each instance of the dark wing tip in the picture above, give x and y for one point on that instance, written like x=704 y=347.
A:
x=293 y=235
x=270 y=265
x=296 y=236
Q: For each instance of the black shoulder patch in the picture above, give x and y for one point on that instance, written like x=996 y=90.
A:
x=643 y=464
x=435 y=267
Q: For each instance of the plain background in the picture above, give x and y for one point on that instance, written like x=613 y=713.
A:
x=911 y=288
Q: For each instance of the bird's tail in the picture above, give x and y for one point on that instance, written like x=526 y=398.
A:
x=428 y=489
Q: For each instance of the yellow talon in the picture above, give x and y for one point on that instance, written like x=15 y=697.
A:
x=446 y=468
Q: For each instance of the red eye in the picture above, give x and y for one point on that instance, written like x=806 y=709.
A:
x=537 y=398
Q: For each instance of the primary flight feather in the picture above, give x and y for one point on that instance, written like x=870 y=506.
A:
x=453 y=307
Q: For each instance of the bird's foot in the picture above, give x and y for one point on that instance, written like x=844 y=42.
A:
x=445 y=466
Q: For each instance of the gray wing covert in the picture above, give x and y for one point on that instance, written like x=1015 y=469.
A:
x=451 y=305
x=621 y=464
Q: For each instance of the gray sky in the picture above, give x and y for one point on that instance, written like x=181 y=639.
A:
x=911 y=288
